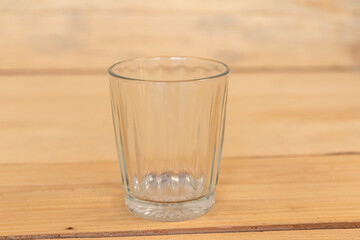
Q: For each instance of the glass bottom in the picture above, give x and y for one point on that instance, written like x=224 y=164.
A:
x=170 y=212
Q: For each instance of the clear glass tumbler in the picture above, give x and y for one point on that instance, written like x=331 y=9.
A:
x=169 y=115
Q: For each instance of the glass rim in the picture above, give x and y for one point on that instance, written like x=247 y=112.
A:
x=225 y=72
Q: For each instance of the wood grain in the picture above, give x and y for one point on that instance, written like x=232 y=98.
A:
x=65 y=35
x=293 y=235
x=64 y=118
x=292 y=146
x=240 y=231
x=281 y=235
x=253 y=193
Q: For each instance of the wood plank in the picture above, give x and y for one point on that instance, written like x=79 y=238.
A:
x=64 y=118
x=253 y=194
x=60 y=34
x=276 y=114
x=337 y=234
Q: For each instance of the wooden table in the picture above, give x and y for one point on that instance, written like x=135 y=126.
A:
x=291 y=162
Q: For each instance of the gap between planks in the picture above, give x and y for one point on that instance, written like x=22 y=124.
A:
x=261 y=69
x=203 y=230
x=329 y=154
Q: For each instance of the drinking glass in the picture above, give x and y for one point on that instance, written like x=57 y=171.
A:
x=168 y=116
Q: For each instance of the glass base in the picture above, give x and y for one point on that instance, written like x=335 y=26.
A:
x=170 y=212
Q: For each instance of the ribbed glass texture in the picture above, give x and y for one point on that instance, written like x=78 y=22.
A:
x=168 y=115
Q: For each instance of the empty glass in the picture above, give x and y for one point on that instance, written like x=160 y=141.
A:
x=169 y=115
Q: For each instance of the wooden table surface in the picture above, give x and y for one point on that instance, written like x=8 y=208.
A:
x=291 y=160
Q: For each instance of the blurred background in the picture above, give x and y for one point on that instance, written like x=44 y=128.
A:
x=292 y=138
x=65 y=35
x=294 y=82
